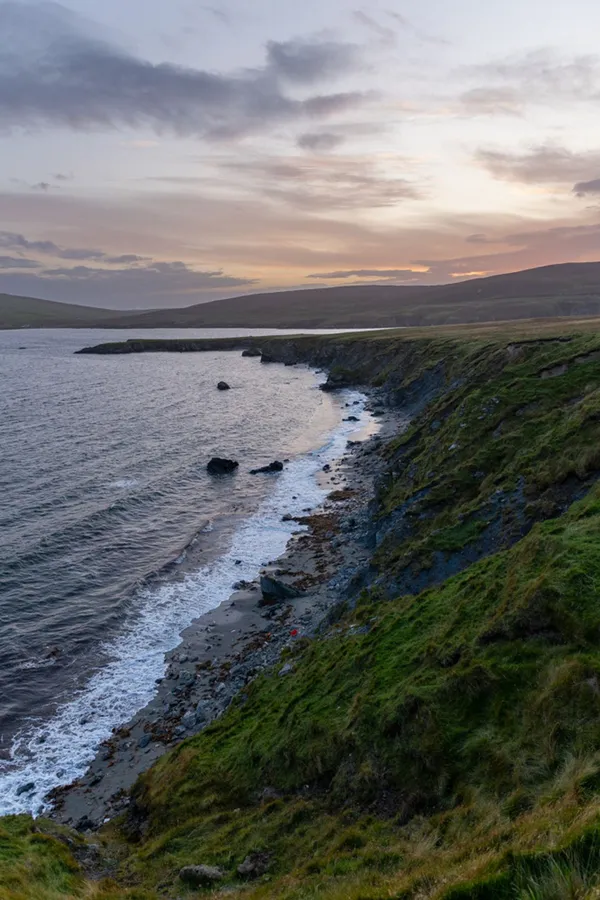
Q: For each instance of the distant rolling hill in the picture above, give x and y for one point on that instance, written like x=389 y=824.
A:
x=570 y=289
x=28 y=312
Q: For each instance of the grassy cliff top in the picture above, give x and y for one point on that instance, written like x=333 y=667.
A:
x=442 y=740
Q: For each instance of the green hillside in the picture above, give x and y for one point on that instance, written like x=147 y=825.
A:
x=28 y=312
x=441 y=739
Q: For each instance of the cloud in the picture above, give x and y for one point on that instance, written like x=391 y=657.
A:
x=54 y=71
x=307 y=62
x=158 y=284
x=386 y=35
x=324 y=183
x=41 y=186
x=19 y=242
x=545 y=164
x=587 y=187
x=363 y=273
x=486 y=101
x=218 y=14
x=320 y=141
x=544 y=76
x=17 y=262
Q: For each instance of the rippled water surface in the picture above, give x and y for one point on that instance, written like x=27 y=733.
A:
x=108 y=517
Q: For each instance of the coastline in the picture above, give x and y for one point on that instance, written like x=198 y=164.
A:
x=229 y=646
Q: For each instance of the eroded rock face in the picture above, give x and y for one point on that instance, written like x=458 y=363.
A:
x=252 y=351
x=275 y=591
x=218 y=466
x=201 y=875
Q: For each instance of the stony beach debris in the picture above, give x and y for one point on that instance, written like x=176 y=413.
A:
x=244 y=638
x=219 y=466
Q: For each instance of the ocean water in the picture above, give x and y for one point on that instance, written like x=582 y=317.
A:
x=113 y=538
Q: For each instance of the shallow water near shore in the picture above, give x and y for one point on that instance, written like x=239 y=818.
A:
x=115 y=538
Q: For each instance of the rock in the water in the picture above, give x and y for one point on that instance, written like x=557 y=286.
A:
x=352 y=419
x=218 y=466
x=267 y=358
x=252 y=351
x=267 y=470
x=275 y=591
x=200 y=875
x=26 y=788
x=254 y=865
x=223 y=386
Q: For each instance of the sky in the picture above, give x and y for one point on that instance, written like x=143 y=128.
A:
x=162 y=153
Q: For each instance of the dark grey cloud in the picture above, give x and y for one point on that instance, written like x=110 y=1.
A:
x=320 y=141
x=19 y=243
x=363 y=273
x=546 y=164
x=53 y=71
x=307 y=62
x=587 y=187
x=18 y=262
x=60 y=176
x=41 y=186
x=159 y=284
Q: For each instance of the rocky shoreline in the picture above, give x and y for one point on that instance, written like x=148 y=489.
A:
x=228 y=647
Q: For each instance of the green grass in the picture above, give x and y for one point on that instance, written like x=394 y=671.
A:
x=452 y=748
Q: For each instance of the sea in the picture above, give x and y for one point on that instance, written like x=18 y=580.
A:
x=113 y=537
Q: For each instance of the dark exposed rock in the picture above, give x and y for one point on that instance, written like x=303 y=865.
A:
x=351 y=419
x=276 y=466
x=274 y=591
x=200 y=875
x=218 y=466
x=267 y=358
x=254 y=866
x=252 y=351
x=223 y=386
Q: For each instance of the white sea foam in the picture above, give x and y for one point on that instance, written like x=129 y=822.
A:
x=123 y=483
x=57 y=752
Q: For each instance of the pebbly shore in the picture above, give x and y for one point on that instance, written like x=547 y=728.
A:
x=228 y=647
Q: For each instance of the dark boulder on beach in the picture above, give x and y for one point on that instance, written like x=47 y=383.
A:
x=223 y=386
x=218 y=466
x=274 y=591
x=252 y=351
x=268 y=470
